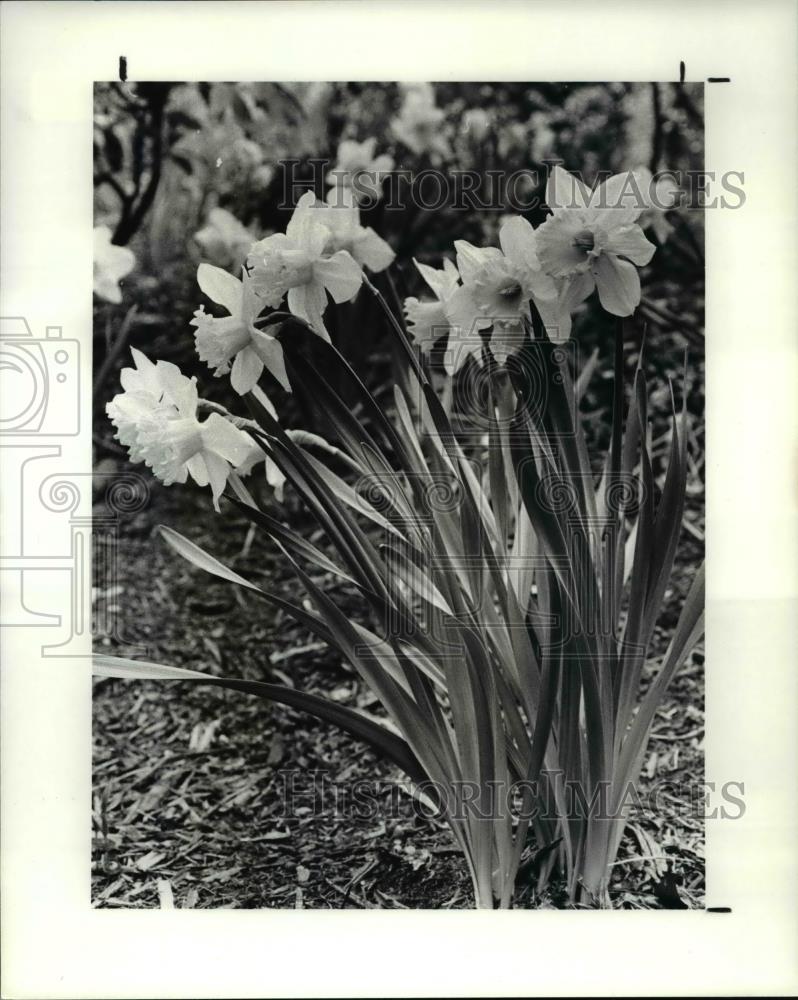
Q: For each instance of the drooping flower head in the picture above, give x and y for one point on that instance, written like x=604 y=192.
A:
x=111 y=265
x=294 y=264
x=359 y=171
x=156 y=418
x=131 y=409
x=592 y=239
x=235 y=338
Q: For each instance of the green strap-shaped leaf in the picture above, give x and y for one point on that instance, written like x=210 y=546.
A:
x=377 y=736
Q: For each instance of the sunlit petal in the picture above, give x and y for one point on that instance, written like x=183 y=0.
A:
x=220 y=287
x=618 y=284
x=270 y=351
x=246 y=370
x=629 y=241
x=340 y=274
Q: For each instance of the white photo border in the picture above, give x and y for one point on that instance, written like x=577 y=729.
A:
x=54 y=944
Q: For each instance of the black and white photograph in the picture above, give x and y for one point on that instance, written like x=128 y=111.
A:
x=410 y=381
x=397 y=431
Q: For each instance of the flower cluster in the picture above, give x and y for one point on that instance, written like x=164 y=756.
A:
x=590 y=241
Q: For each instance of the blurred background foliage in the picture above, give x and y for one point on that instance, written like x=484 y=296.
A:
x=166 y=154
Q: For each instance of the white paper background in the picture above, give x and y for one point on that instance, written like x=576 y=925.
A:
x=53 y=943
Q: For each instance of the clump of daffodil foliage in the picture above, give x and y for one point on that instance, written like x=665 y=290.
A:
x=512 y=593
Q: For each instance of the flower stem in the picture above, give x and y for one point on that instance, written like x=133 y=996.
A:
x=400 y=333
x=242 y=423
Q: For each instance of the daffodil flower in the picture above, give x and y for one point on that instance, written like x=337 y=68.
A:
x=166 y=434
x=341 y=215
x=131 y=409
x=498 y=285
x=111 y=265
x=358 y=170
x=294 y=264
x=224 y=240
x=418 y=124
x=429 y=321
x=235 y=338
x=592 y=238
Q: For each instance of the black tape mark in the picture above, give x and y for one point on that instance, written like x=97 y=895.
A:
x=718 y=79
x=682 y=70
x=123 y=68
x=719 y=909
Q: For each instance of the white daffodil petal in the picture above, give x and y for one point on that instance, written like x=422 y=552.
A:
x=466 y=323
x=275 y=478
x=426 y=321
x=518 y=243
x=305 y=230
x=220 y=287
x=180 y=390
x=618 y=284
x=255 y=455
x=246 y=370
x=441 y=282
x=371 y=251
x=251 y=303
x=222 y=437
x=564 y=191
x=340 y=275
x=301 y=216
x=470 y=258
x=218 y=471
x=451 y=272
x=144 y=377
x=622 y=197
x=559 y=248
x=270 y=351
x=556 y=320
x=575 y=290
x=198 y=469
x=629 y=241
x=308 y=302
x=542 y=285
